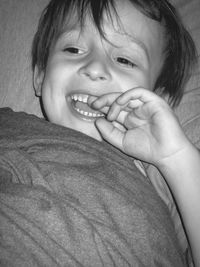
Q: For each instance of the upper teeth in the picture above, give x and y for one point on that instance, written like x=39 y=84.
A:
x=80 y=97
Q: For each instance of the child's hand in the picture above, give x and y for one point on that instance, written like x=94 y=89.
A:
x=150 y=132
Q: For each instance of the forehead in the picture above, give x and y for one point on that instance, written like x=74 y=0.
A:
x=134 y=25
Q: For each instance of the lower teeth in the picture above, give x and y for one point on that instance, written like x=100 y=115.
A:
x=89 y=114
x=77 y=106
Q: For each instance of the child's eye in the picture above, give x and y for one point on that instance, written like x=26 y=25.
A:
x=73 y=50
x=126 y=62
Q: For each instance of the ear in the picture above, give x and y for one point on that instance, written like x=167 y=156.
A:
x=38 y=77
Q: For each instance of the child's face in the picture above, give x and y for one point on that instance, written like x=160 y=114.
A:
x=82 y=63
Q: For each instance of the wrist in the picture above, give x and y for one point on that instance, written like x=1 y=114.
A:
x=182 y=165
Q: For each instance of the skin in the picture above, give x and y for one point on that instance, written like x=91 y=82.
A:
x=80 y=63
x=117 y=78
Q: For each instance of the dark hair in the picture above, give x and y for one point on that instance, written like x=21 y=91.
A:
x=180 y=51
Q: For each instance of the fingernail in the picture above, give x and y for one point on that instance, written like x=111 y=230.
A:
x=91 y=100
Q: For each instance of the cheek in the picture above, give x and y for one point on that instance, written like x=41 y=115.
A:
x=135 y=78
x=58 y=67
x=55 y=78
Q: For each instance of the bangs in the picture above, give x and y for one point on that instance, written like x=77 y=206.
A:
x=96 y=10
x=150 y=8
x=75 y=12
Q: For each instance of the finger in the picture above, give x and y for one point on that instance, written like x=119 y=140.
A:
x=140 y=94
x=133 y=104
x=91 y=99
x=110 y=133
x=125 y=102
x=104 y=110
x=116 y=109
x=103 y=101
x=114 y=112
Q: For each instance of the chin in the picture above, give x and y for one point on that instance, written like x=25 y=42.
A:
x=85 y=127
x=92 y=132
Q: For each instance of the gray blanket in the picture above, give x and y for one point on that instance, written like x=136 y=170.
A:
x=69 y=200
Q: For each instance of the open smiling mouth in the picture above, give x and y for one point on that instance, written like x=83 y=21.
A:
x=82 y=109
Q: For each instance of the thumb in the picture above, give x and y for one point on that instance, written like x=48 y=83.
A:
x=110 y=133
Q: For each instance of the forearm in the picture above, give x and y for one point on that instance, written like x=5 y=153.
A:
x=182 y=173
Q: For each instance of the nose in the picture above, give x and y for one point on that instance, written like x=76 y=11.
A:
x=96 y=68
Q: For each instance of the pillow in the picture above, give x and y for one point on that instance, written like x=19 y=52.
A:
x=18 y=24
x=188 y=111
